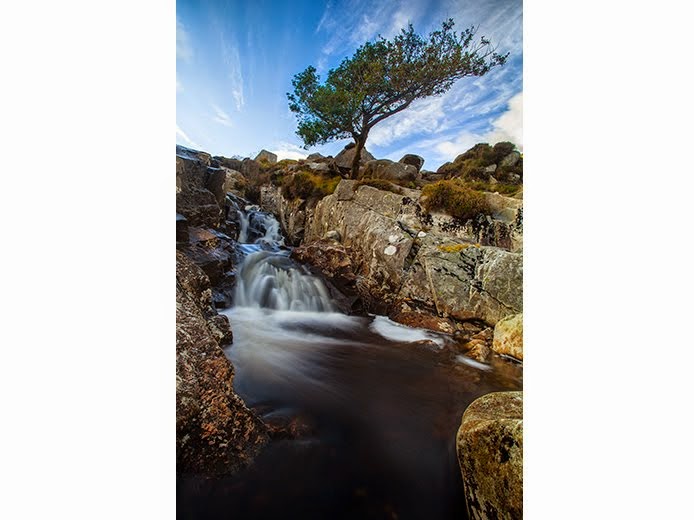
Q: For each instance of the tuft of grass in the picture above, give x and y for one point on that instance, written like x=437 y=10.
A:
x=456 y=199
x=306 y=185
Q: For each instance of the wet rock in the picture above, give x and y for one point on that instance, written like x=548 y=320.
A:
x=215 y=432
x=212 y=251
x=490 y=454
x=508 y=336
x=216 y=178
x=333 y=261
x=266 y=156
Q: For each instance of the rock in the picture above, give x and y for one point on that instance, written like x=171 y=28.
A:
x=334 y=262
x=389 y=170
x=194 y=200
x=490 y=169
x=415 y=160
x=249 y=168
x=508 y=336
x=490 y=454
x=318 y=167
x=344 y=159
x=216 y=178
x=212 y=251
x=316 y=157
x=231 y=164
x=345 y=189
x=266 y=156
x=181 y=229
x=216 y=433
x=510 y=160
x=234 y=181
x=431 y=176
x=291 y=214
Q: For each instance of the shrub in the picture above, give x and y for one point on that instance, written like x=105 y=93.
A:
x=456 y=199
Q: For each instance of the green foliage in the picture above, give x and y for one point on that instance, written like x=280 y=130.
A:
x=384 y=77
x=306 y=185
x=456 y=199
x=504 y=189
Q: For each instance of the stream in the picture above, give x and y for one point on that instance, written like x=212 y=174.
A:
x=374 y=405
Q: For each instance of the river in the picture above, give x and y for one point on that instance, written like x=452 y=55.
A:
x=375 y=405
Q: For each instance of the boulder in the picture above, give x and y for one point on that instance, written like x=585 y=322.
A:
x=232 y=164
x=181 y=229
x=194 y=200
x=234 y=181
x=510 y=160
x=316 y=157
x=318 y=167
x=489 y=445
x=344 y=159
x=389 y=170
x=216 y=433
x=415 y=160
x=266 y=156
x=249 y=168
x=508 y=336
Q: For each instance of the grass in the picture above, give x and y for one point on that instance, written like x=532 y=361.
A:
x=456 y=199
x=307 y=185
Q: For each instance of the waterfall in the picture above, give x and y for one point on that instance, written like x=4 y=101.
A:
x=267 y=277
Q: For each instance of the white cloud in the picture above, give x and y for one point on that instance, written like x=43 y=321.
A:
x=184 y=51
x=230 y=54
x=507 y=127
x=286 y=150
x=221 y=117
x=180 y=133
x=179 y=86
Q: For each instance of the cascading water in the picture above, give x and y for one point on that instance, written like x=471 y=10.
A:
x=383 y=401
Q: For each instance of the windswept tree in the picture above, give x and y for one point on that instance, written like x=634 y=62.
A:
x=383 y=78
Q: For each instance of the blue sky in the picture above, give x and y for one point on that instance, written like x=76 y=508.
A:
x=235 y=60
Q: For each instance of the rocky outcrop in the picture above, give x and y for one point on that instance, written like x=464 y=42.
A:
x=266 y=156
x=198 y=195
x=508 y=336
x=490 y=453
x=215 y=432
x=344 y=159
x=409 y=266
x=388 y=170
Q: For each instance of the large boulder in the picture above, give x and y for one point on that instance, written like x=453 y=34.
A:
x=249 y=168
x=389 y=170
x=508 y=336
x=266 y=156
x=215 y=432
x=344 y=159
x=234 y=181
x=490 y=454
x=415 y=160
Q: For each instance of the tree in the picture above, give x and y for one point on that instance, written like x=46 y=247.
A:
x=383 y=78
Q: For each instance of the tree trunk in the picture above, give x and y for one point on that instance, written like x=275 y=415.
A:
x=360 y=142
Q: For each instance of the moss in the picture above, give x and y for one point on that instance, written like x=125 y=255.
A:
x=456 y=248
x=455 y=199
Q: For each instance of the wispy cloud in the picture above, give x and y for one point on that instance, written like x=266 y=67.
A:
x=184 y=50
x=230 y=55
x=180 y=133
x=221 y=117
